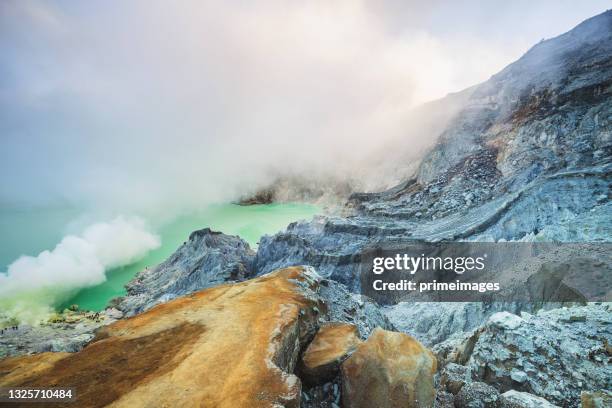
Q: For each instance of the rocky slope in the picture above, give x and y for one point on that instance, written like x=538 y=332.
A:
x=529 y=156
x=207 y=259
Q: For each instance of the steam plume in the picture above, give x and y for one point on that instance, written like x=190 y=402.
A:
x=33 y=285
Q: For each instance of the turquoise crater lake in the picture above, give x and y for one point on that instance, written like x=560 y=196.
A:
x=29 y=232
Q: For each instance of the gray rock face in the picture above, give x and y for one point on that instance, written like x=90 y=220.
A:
x=444 y=400
x=347 y=307
x=207 y=259
x=458 y=385
x=554 y=354
x=432 y=323
x=322 y=396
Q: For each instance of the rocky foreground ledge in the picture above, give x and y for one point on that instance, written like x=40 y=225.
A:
x=235 y=345
x=293 y=339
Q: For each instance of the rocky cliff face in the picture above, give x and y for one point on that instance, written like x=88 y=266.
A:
x=252 y=331
x=528 y=158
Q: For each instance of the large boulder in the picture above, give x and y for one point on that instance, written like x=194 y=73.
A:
x=206 y=259
x=389 y=370
x=232 y=346
x=332 y=344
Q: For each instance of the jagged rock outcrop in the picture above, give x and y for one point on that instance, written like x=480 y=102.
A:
x=554 y=354
x=444 y=400
x=320 y=189
x=453 y=377
x=171 y=355
x=207 y=259
x=390 y=369
x=210 y=258
x=458 y=386
x=333 y=343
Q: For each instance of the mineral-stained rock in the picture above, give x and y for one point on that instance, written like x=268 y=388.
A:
x=233 y=345
x=477 y=395
x=206 y=259
x=332 y=344
x=388 y=370
x=596 y=399
x=517 y=399
x=549 y=354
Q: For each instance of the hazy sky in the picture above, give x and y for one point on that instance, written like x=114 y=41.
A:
x=141 y=105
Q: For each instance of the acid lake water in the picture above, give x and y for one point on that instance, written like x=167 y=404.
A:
x=28 y=232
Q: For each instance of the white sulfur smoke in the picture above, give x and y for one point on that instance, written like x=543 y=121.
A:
x=33 y=285
x=153 y=107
